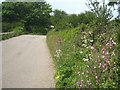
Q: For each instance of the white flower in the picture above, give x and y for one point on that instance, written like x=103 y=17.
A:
x=87 y=47
x=88 y=66
x=92 y=47
x=91 y=40
x=85 y=59
x=84 y=37
x=89 y=54
x=90 y=32
x=84 y=45
x=85 y=41
x=81 y=52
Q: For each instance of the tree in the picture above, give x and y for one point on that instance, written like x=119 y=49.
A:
x=117 y=2
x=102 y=12
x=29 y=13
x=73 y=20
x=59 y=19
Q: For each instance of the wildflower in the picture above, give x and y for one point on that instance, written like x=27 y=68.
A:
x=85 y=41
x=103 y=52
x=88 y=66
x=88 y=81
x=57 y=77
x=110 y=38
x=107 y=44
x=114 y=63
x=84 y=45
x=103 y=66
x=96 y=76
x=107 y=53
x=84 y=37
x=80 y=85
x=105 y=59
x=103 y=48
x=89 y=54
x=81 y=52
x=92 y=47
x=85 y=59
x=98 y=56
x=82 y=72
x=103 y=56
x=87 y=76
x=103 y=41
x=97 y=81
x=103 y=71
x=100 y=45
x=87 y=71
x=91 y=40
x=82 y=80
x=113 y=42
x=79 y=73
x=90 y=32
x=94 y=66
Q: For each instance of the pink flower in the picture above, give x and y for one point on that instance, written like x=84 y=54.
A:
x=107 y=53
x=79 y=73
x=87 y=76
x=80 y=85
x=100 y=45
x=82 y=80
x=105 y=59
x=94 y=66
x=106 y=40
x=113 y=42
x=103 y=48
x=103 y=56
x=98 y=56
x=110 y=38
x=107 y=44
x=103 y=41
x=87 y=81
x=105 y=64
x=103 y=71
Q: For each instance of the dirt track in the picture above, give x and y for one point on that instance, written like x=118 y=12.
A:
x=27 y=63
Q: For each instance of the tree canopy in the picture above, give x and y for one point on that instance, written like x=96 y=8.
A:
x=29 y=13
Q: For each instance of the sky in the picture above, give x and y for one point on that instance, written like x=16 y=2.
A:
x=71 y=6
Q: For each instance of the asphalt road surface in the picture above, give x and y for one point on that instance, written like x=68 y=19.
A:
x=26 y=63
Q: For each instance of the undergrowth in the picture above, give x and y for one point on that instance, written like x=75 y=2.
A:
x=84 y=59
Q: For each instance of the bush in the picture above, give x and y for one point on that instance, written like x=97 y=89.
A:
x=39 y=29
x=9 y=27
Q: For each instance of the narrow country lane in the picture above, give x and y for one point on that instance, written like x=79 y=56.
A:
x=26 y=63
